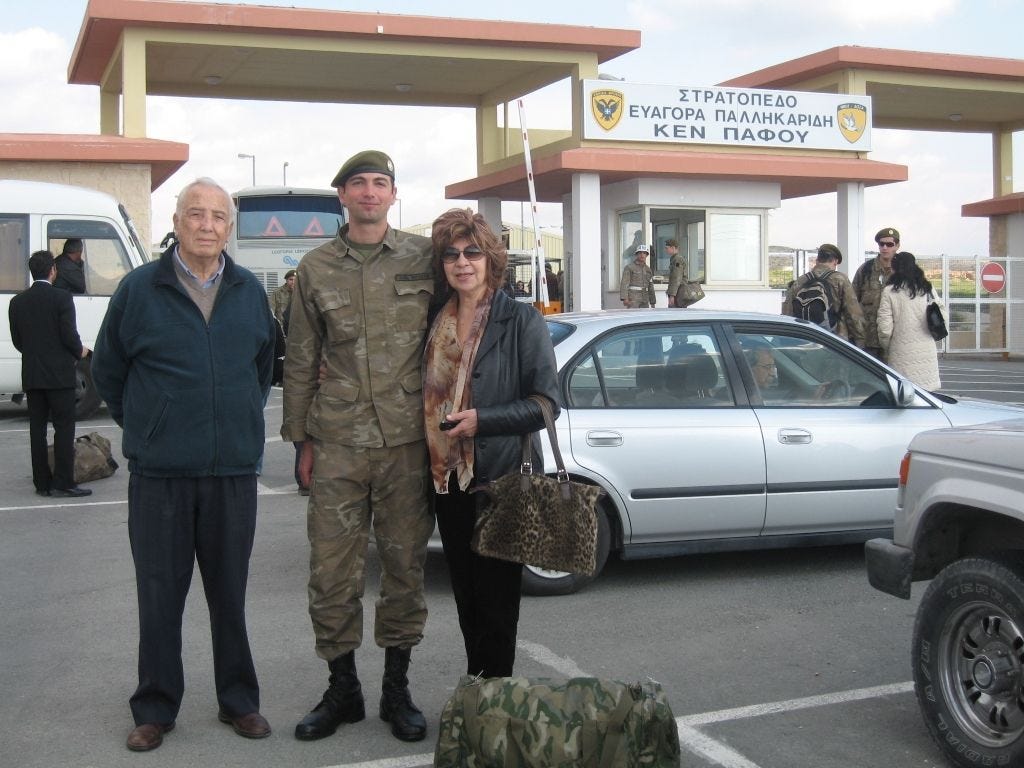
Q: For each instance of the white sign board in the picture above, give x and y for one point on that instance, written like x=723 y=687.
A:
x=741 y=117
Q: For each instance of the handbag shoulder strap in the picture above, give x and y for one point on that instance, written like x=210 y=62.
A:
x=549 y=423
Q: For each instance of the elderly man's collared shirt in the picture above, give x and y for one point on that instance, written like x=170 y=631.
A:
x=204 y=284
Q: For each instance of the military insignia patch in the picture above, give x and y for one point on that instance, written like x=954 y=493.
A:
x=852 y=119
x=607 y=107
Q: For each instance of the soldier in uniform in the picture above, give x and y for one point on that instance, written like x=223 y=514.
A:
x=868 y=282
x=850 y=317
x=282 y=297
x=678 y=272
x=636 y=288
x=360 y=306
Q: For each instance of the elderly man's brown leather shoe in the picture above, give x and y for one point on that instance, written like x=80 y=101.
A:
x=251 y=726
x=148 y=736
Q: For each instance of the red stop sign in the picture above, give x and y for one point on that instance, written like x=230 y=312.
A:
x=993 y=277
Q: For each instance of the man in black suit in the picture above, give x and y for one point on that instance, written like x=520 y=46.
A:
x=43 y=330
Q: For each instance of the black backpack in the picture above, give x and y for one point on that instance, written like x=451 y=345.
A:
x=816 y=302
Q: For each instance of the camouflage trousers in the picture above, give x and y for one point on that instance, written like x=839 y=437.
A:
x=352 y=490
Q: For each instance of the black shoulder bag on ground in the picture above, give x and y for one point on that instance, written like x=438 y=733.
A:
x=550 y=522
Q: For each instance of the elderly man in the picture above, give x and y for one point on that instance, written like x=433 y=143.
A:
x=71 y=267
x=184 y=360
x=360 y=307
x=868 y=282
x=636 y=287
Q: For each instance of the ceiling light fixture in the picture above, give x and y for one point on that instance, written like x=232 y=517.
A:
x=403 y=87
x=956 y=117
x=213 y=79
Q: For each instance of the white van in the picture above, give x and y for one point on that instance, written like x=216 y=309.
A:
x=37 y=216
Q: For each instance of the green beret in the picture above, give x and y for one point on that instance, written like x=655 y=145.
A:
x=370 y=161
x=829 y=252
x=888 y=232
x=671 y=243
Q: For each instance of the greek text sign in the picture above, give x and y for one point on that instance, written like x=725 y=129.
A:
x=747 y=117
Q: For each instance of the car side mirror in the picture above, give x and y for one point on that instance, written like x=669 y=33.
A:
x=905 y=392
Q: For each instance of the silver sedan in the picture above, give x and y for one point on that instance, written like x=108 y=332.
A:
x=712 y=431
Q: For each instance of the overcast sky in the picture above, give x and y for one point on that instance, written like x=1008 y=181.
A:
x=684 y=42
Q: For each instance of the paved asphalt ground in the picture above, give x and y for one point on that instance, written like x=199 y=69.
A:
x=783 y=659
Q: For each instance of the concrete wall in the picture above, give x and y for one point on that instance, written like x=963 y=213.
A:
x=127 y=182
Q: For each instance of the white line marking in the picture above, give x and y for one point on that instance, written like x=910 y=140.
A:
x=64 y=504
x=776 y=707
x=561 y=664
x=718 y=753
x=410 y=761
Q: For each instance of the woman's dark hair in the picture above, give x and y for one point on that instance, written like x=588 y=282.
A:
x=463 y=222
x=906 y=275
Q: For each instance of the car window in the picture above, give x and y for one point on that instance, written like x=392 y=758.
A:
x=559 y=331
x=105 y=258
x=662 y=366
x=797 y=372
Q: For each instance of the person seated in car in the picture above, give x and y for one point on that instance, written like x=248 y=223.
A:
x=764 y=368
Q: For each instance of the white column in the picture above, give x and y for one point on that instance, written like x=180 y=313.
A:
x=850 y=224
x=586 y=241
x=490 y=209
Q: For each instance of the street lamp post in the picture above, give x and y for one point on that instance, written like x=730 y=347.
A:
x=244 y=156
x=284 y=174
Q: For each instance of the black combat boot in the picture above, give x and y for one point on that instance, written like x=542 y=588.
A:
x=342 y=702
x=396 y=707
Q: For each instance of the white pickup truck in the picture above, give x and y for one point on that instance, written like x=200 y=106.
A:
x=959 y=521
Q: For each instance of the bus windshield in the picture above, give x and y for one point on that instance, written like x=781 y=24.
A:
x=277 y=226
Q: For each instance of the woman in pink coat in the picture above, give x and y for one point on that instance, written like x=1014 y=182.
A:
x=902 y=329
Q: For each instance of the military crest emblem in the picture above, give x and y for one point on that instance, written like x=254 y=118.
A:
x=607 y=107
x=852 y=120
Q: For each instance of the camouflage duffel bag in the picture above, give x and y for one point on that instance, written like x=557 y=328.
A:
x=582 y=722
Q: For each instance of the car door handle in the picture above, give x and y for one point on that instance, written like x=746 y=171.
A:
x=598 y=438
x=794 y=436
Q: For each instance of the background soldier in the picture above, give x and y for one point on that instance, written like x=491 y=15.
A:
x=849 y=316
x=636 y=288
x=678 y=272
x=868 y=282
x=360 y=305
x=281 y=298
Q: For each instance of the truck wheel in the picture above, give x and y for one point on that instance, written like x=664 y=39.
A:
x=542 y=583
x=968 y=656
x=87 y=399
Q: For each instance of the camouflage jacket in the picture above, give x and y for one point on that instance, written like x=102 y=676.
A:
x=850 y=315
x=678 y=273
x=366 y=318
x=279 y=300
x=637 y=284
x=867 y=285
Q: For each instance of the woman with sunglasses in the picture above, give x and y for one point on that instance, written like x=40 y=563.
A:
x=486 y=354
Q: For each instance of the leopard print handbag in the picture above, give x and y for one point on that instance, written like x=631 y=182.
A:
x=550 y=522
